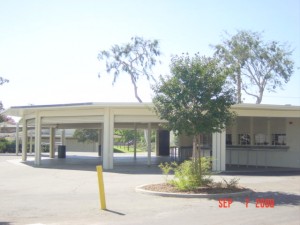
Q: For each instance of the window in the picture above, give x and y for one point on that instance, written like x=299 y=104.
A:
x=278 y=139
x=205 y=140
x=244 y=139
x=261 y=139
x=228 y=139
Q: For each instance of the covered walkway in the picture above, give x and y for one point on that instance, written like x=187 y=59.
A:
x=276 y=124
x=101 y=116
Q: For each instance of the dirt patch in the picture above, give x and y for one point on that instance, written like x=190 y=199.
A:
x=168 y=188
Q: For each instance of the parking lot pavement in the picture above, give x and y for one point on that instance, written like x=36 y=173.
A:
x=66 y=192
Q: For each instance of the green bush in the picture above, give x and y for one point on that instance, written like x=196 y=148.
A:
x=190 y=174
x=232 y=183
x=166 y=168
x=3 y=145
x=7 y=146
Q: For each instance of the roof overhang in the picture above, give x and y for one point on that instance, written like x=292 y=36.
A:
x=125 y=114
x=87 y=115
x=263 y=110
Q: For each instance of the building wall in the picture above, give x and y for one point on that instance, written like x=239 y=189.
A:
x=73 y=145
x=185 y=141
x=261 y=154
x=268 y=155
x=293 y=140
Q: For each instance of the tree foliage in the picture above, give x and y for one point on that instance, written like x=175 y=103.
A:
x=126 y=136
x=135 y=58
x=195 y=98
x=2 y=117
x=257 y=65
x=86 y=135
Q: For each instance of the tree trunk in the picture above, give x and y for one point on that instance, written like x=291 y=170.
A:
x=135 y=90
x=259 y=98
x=197 y=153
x=140 y=101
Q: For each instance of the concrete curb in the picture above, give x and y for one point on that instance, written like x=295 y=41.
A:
x=140 y=189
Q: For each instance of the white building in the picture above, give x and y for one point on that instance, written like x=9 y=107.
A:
x=263 y=135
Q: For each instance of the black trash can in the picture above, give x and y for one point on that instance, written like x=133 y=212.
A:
x=61 y=151
x=99 y=151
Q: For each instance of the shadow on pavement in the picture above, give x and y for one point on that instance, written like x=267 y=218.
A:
x=279 y=198
x=114 y=212
x=86 y=163
x=128 y=165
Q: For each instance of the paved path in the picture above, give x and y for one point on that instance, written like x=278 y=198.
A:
x=65 y=191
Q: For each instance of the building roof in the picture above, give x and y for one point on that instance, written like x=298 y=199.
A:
x=241 y=109
x=19 y=111
x=125 y=115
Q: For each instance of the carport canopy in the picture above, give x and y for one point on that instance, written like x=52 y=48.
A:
x=103 y=116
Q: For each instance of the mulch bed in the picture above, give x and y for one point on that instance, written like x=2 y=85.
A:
x=165 y=187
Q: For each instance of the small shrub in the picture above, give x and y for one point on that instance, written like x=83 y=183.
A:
x=218 y=184
x=7 y=146
x=166 y=168
x=3 y=145
x=232 y=183
x=188 y=175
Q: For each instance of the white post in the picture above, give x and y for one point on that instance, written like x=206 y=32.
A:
x=252 y=137
x=24 y=140
x=219 y=151
x=30 y=142
x=63 y=137
x=52 y=143
x=100 y=142
x=234 y=138
x=108 y=139
x=134 y=143
x=149 y=143
x=17 y=138
x=269 y=138
x=37 y=146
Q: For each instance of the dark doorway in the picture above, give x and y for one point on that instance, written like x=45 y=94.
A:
x=164 y=143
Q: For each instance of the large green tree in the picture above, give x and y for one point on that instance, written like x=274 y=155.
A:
x=2 y=117
x=194 y=99
x=256 y=65
x=135 y=58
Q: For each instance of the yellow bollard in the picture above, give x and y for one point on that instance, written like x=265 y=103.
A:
x=101 y=187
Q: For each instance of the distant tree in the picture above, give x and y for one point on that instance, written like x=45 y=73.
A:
x=126 y=136
x=86 y=135
x=2 y=117
x=135 y=58
x=257 y=65
x=3 y=80
x=194 y=99
x=8 y=119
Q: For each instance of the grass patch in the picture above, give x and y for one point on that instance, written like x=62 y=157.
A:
x=125 y=149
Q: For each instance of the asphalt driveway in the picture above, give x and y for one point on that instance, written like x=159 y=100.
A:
x=65 y=191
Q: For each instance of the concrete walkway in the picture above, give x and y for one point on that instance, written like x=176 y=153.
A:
x=65 y=191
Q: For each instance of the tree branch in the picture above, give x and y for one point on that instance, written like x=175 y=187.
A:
x=135 y=89
x=248 y=93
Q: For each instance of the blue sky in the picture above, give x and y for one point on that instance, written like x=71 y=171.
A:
x=48 y=49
